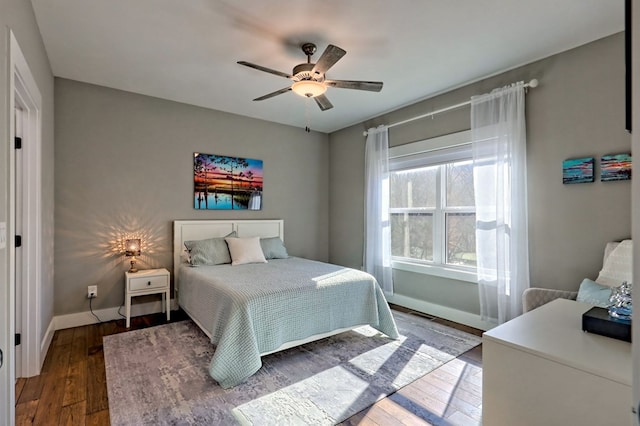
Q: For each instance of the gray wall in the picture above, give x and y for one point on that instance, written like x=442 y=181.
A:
x=578 y=110
x=124 y=167
x=18 y=16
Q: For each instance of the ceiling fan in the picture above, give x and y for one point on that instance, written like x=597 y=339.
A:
x=309 y=79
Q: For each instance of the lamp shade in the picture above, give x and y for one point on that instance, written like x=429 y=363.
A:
x=132 y=247
x=308 y=88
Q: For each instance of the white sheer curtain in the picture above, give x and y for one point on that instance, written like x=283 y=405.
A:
x=377 y=237
x=500 y=183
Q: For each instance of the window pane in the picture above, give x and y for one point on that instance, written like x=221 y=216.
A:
x=412 y=235
x=461 y=239
x=460 y=184
x=414 y=188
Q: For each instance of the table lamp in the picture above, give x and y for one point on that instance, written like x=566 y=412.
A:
x=133 y=250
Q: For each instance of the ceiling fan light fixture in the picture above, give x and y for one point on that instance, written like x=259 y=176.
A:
x=309 y=79
x=308 y=88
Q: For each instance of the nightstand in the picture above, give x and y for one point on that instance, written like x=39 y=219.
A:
x=146 y=281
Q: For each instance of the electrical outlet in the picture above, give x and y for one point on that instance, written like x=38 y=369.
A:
x=92 y=291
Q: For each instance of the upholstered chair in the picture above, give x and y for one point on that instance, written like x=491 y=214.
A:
x=616 y=268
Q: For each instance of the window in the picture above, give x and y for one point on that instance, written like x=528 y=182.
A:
x=432 y=208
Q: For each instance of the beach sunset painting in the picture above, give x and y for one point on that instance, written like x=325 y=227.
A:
x=577 y=170
x=615 y=167
x=226 y=183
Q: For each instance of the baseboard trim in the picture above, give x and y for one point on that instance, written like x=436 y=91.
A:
x=451 y=314
x=85 y=318
x=46 y=341
x=109 y=314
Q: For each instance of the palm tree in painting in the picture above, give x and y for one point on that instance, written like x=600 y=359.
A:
x=249 y=176
x=230 y=166
x=202 y=166
x=241 y=177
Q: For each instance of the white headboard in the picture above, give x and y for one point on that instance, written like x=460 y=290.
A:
x=185 y=230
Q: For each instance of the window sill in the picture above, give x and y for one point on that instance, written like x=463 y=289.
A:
x=436 y=270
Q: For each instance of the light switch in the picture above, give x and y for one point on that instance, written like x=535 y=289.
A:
x=3 y=235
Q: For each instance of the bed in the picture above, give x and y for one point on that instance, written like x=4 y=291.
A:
x=255 y=309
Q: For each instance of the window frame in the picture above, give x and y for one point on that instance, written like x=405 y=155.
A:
x=434 y=152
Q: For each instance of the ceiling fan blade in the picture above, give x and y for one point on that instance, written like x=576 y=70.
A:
x=329 y=57
x=372 y=86
x=272 y=94
x=323 y=102
x=265 y=69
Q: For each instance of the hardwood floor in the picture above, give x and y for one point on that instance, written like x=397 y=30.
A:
x=449 y=395
x=72 y=388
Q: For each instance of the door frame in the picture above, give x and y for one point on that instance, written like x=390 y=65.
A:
x=22 y=90
x=27 y=97
x=24 y=94
x=17 y=209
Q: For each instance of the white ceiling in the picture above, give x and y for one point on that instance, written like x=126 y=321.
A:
x=186 y=50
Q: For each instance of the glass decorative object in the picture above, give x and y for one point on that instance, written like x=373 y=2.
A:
x=621 y=302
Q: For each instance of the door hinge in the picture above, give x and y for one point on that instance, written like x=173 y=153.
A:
x=18 y=240
x=18 y=142
x=18 y=338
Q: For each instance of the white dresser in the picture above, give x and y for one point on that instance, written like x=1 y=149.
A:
x=542 y=369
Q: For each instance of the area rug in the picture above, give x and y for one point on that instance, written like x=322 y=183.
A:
x=159 y=375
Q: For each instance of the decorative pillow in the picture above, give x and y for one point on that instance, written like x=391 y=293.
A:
x=273 y=248
x=212 y=251
x=594 y=294
x=245 y=250
x=617 y=268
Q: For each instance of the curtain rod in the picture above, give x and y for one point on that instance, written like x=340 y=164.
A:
x=533 y=83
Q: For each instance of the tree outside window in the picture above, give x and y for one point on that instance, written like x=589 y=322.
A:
x=432 y=213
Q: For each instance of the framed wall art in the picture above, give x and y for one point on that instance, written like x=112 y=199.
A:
x=615 y=167
x=577 y=170
x=226 y=183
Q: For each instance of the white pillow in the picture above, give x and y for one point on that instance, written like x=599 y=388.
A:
x=245 y=250
x=618 y=266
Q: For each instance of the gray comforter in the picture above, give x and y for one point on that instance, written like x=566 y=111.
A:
x=255 y=308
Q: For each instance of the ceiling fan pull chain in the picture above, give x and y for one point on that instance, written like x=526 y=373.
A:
x=307 y=115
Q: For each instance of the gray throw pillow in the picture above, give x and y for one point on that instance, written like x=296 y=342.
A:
x=273 y=248
x=212 y=251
